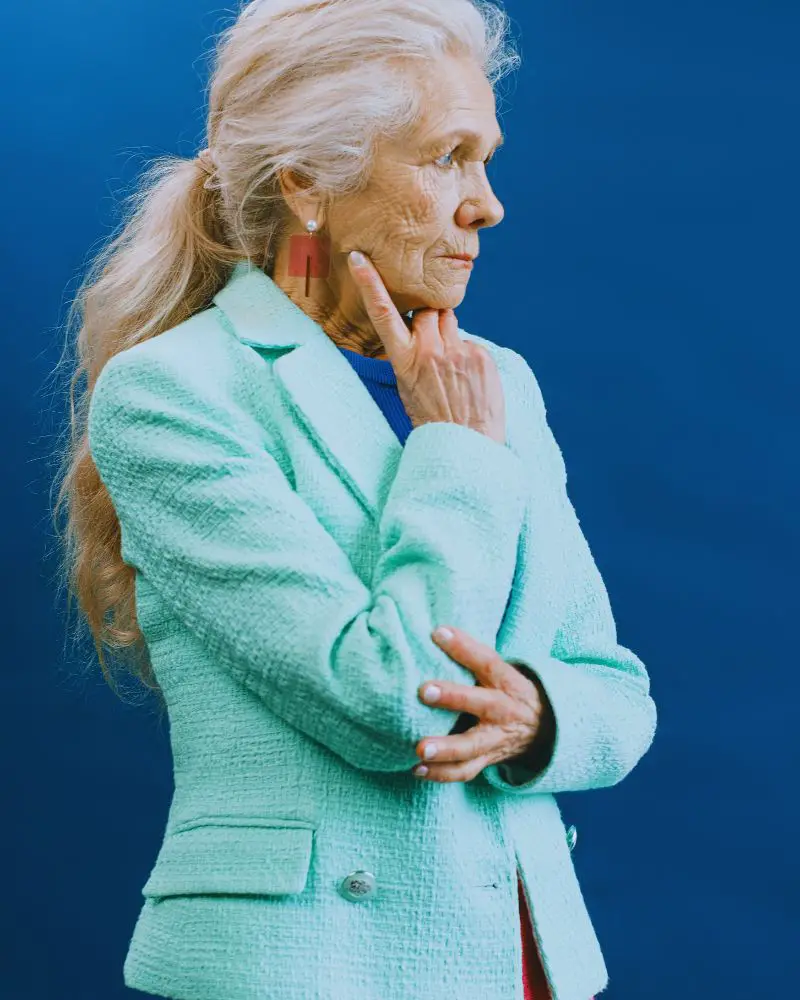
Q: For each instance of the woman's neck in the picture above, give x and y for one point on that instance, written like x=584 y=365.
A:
x=335 y=309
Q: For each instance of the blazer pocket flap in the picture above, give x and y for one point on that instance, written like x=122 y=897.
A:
x=231 y=858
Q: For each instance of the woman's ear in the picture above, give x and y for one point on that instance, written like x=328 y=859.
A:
x=294 y=187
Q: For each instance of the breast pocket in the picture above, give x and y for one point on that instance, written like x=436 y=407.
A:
x=230 y=857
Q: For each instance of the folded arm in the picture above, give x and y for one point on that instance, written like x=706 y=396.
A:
x=603 y=717
x=211 y=520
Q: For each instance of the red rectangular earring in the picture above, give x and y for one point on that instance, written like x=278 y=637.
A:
x=310 y=256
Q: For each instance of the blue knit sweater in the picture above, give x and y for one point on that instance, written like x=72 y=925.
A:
x=379 y=378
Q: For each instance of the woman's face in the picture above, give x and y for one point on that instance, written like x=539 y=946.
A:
x=428 y=195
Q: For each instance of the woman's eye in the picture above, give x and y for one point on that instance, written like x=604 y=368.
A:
x=444 y=156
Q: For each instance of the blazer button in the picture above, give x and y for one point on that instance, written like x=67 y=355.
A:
x=357 y=886
x=572 y=837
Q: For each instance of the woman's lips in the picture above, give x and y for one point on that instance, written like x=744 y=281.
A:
x=464 y=261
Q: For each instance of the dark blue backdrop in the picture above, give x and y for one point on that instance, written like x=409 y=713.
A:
x=648 y=264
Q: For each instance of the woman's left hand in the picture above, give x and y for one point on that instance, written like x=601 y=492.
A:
x=513 y=713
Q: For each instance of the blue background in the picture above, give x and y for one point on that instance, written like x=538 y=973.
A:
x=647 y=268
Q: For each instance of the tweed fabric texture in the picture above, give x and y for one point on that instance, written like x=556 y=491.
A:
x=291 y=560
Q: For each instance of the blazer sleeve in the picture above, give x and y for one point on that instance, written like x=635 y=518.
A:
x=599 y=691
x=209 y=517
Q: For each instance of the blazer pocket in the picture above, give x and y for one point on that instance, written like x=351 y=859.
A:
x=251 y=858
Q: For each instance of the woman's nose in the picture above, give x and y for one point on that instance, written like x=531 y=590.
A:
x=495 y=212
x=483 y=208
x=481 y=213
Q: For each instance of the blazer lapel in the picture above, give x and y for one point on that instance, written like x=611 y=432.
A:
x=327 y=395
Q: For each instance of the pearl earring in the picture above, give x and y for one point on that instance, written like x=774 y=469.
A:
x=310 y=256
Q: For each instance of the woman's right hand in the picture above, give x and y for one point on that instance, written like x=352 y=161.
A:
x=440 y=377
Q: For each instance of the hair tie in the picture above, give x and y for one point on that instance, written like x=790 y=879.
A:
x=208 y=164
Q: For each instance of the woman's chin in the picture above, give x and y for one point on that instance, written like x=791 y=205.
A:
x=457 y=296
x=449 y=297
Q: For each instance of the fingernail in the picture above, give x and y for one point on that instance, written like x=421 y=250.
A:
x=420 y=770
x=358 y=259
x=431 y=693
x=444 y=634
x=430 y=751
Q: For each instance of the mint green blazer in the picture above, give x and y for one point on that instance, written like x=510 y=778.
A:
x=292 y=559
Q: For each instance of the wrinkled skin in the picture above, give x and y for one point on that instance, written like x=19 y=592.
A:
x=428 y=196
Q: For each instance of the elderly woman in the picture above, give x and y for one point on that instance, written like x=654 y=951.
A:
x=295 y=467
